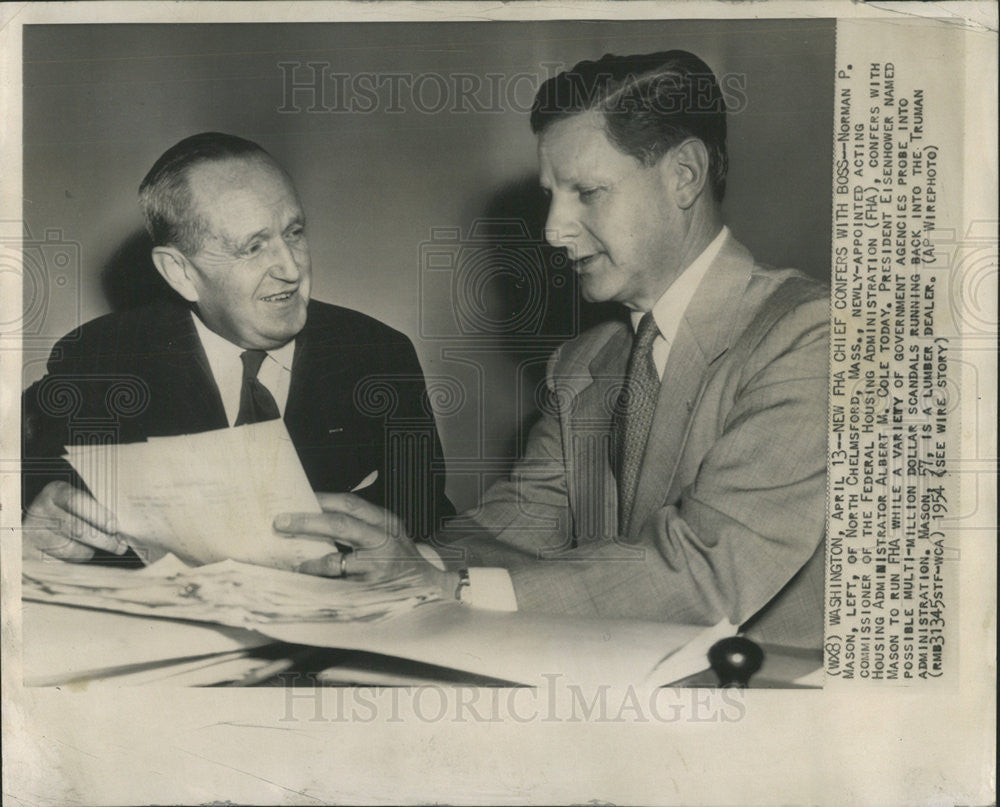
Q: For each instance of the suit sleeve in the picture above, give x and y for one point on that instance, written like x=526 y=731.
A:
x=47 y=407
x=520 y=518
x=752 y=517
x=415 y=489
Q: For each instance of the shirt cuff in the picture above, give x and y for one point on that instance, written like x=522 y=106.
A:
x=489 y=589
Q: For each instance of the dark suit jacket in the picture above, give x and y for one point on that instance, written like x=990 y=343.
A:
x=357 y=403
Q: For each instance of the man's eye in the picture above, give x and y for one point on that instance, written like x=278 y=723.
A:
x=295 y=233
x=588 y=194
x=253 y=249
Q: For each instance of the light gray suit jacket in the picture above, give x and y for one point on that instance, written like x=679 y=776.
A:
x=729 y=514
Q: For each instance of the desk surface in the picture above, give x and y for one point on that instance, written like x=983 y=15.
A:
x=66 y=644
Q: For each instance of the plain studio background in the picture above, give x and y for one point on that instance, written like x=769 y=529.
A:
x=438 y=138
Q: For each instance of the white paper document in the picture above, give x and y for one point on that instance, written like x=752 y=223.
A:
x=226 y=593
x=205 y=497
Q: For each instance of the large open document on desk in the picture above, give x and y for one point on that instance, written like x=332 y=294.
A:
x=530 y=649
x=65 y=645
x=399 y=619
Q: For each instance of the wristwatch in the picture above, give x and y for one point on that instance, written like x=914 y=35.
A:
x=463 y=583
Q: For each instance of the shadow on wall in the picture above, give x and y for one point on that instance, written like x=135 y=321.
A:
x=521 y=290
x=129 y=279
x=537 y=290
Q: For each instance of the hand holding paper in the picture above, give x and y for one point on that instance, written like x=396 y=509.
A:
x=382 y=548
x=69 y=524
x=205 y=497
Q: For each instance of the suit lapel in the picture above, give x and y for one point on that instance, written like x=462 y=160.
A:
x=591 y=483
x=196 y=402
x=298 y=387
x=324 y=371
x=703 y=335
x=337 y=442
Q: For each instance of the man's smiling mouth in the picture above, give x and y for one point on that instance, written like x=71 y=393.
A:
x=279 y=298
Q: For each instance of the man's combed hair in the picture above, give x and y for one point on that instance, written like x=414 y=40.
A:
x=164 y=194
x=650 y=104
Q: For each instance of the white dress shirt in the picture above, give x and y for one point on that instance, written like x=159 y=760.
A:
x=493 y=588
x=670 y=308
x=227 y=369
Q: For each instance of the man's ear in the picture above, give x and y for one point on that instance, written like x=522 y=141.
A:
x=685 y=169
x=177 y=271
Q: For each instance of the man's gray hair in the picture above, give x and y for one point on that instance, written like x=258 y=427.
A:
x=165 y=195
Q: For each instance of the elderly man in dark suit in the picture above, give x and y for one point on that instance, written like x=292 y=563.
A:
x=679 y=472
x=242 y=342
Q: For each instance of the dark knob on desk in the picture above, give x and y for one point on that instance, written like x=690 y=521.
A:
x=734 y=660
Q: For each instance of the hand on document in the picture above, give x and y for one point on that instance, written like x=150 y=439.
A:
x=69 y=524
x=203 y=497
x=382 y=548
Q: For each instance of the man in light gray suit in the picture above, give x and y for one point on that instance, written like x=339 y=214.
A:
x=679 y=470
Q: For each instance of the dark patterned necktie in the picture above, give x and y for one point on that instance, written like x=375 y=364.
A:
x=256 y=403
x=634 y=415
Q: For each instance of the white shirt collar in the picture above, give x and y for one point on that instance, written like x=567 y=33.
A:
x=221 y=352
x=284 y=355
x=668 y=310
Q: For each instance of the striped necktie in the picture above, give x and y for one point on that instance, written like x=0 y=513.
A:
x=634 y=415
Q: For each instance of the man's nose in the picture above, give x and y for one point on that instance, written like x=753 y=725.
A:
x=562 y=225
x=286 y=265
